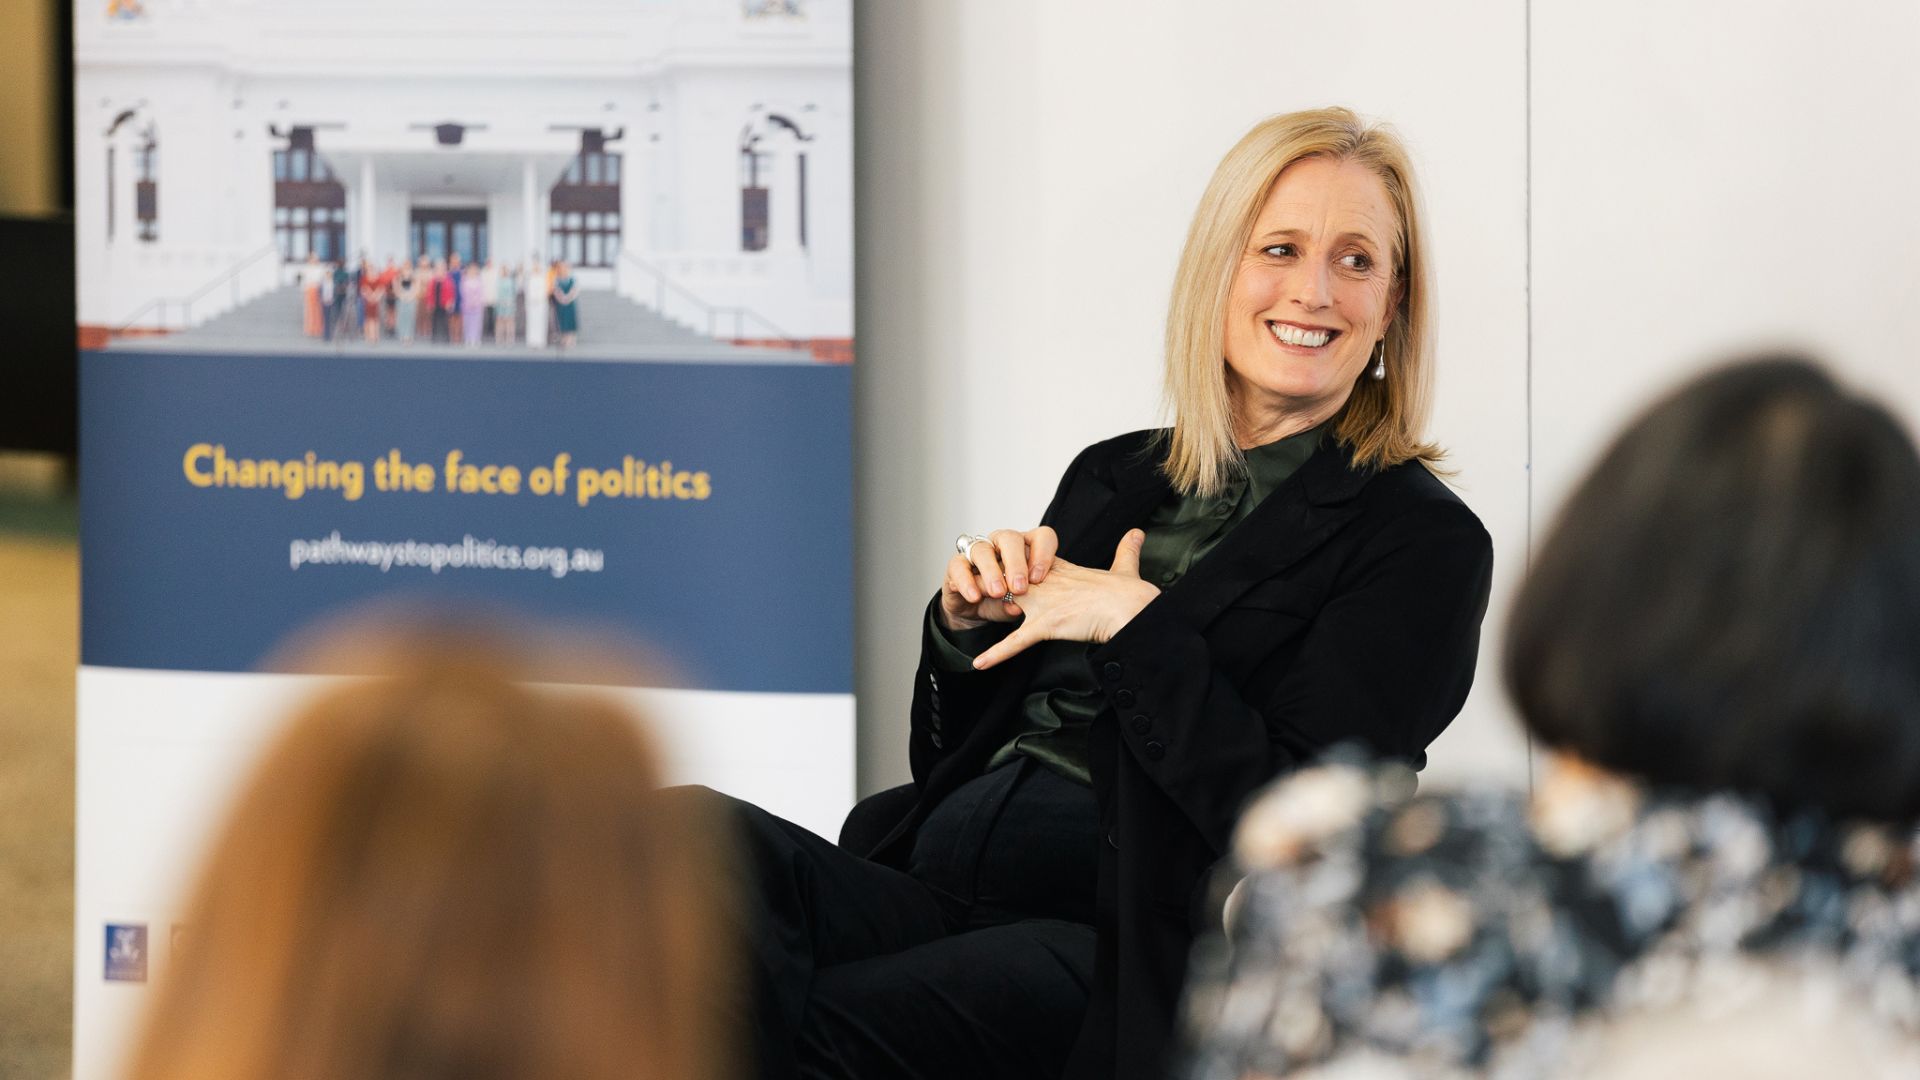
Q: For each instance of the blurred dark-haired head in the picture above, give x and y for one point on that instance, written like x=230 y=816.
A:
x=440 y=871
x=1730 y=599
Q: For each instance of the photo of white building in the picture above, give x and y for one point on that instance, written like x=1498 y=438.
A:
x=691 y=160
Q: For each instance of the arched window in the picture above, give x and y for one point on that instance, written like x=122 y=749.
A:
x=146 y=185
x=757 y=144
x=133 y=149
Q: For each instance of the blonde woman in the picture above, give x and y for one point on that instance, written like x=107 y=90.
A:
x=1199 y=611
x=406 y=303
x=506 y=289
x=440 y=873
x=313 y=314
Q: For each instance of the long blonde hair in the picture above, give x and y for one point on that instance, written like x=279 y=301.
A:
x=1383 y=421
x=441 y=873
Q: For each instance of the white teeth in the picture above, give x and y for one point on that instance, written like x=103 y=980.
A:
x=1293 y=335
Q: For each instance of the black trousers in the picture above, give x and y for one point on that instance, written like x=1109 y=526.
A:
x=974 y=962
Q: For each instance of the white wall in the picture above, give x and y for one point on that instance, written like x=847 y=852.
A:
x=209 y=164
x=1026 y=176
x=1712 y=175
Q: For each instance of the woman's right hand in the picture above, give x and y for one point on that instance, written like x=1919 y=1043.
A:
x=1006 y=563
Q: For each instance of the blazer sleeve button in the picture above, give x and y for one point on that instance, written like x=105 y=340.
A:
x=1156 y=749
x=1123 y=698
x=1143 y=724
x=934 y=738
x=1111 y=671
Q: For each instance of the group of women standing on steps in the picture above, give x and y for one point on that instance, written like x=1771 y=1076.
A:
x=440 y=300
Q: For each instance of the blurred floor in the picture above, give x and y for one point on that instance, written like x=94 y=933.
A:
x=39 y=650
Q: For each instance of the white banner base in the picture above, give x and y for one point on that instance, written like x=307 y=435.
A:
x=161 y=753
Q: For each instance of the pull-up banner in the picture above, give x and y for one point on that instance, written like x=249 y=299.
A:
x=549 y=319
x=687 y=504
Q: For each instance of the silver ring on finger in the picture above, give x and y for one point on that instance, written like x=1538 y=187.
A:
x=965 y=541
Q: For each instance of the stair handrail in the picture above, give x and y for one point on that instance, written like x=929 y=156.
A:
x=227 y=277
x=740 y=313
x=663 y=283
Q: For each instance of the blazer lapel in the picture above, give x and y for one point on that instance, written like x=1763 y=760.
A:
x=1314 y=504
x=1138 y=487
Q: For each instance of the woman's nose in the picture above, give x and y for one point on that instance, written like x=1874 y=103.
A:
x=1310 y=289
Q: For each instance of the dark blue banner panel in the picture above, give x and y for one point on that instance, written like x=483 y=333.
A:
x=705 y=509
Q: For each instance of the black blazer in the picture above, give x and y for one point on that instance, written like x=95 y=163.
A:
x=1345 y=608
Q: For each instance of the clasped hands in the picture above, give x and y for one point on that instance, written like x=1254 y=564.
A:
x=1054 y=600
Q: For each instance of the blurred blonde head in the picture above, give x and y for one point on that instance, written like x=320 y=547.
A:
x=440 y=872
x=1382 y=421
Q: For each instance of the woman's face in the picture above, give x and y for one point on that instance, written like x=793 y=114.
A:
x=1312 y=293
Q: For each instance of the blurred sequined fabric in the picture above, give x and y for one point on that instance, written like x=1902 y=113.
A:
x=1486 y=935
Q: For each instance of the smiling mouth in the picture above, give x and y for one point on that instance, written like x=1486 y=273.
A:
x=1287 y=334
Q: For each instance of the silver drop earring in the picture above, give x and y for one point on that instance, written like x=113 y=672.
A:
x=1379 y=371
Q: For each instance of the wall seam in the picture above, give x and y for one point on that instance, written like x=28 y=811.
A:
x=1527 y=559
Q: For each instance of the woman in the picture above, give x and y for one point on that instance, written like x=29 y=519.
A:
x=1720 y=643
x=373 y=292
x=566 y=304
x=473 y=304
x=536 y=303
x=406 y=301
x=329 y=299
x=313 y=315
x=346 y=291
x=389 y=313
x=505 y=291
x=443 y=292
x=354 y=299
x=425 y=291
x=489 y=288
x=441 y=873
x=1286 y=573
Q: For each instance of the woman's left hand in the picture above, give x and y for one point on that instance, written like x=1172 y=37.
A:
x=1076 y=603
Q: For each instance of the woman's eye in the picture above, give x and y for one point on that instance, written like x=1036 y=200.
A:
x=1279 y=251
x=1356 y=261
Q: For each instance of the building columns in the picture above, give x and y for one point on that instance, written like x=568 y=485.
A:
x=533 y=216
x=367 y=209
